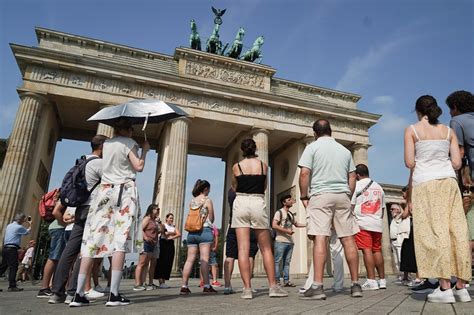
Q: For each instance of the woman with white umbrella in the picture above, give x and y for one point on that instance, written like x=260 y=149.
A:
x=112 y=227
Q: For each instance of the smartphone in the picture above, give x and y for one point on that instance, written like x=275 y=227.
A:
x=29 y=218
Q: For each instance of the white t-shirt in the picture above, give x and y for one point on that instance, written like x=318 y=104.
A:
x=71 y=211
x=369 y=206
x=28 y=255
x=93 y=175
x=117 y=168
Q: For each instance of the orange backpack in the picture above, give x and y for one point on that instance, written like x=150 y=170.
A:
x=195 y=221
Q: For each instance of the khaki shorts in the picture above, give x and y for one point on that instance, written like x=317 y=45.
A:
x=327 y=209
x=250 y=211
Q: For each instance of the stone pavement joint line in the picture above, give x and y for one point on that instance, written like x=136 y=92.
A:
x=394 y=300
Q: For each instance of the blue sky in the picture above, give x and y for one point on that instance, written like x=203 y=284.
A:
x=389 y=52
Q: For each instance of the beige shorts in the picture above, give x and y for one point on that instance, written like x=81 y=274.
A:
x=330 y=209
x=250 y=211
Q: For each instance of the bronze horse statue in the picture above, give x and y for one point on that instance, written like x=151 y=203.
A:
x=214 y=45
x=236 y=47
x=194 y=39
x=255 y=52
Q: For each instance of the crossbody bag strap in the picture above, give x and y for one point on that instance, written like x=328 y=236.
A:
x=365 y=189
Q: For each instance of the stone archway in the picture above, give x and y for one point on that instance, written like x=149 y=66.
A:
x=67 y=78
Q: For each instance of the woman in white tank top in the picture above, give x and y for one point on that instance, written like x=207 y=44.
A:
x=439 y=225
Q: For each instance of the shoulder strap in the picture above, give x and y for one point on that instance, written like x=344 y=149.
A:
x=416 y=134
x=84 y=170
x=365 y=189
x=240 y=169
x=292 y=217
x=449 y=132
x=92 y=158
x=261 y=164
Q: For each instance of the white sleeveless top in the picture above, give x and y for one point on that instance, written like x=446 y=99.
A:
x=432 y=159
x=169 y=228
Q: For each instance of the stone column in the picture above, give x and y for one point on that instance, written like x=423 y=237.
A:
x=18 y=159
x=360 y=154
x=260 y=136
x=105 y=130
x=174 y=175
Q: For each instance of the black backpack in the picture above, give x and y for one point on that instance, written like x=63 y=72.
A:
x=74 y=187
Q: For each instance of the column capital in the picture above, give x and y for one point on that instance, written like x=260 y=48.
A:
x=39 y=97
x=186 y=119
x=256 y=130
x=358 y=145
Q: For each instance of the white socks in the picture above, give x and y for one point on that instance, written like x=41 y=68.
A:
x=81 y=283
x=115 y=281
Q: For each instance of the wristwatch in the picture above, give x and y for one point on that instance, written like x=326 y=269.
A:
x=304 y=198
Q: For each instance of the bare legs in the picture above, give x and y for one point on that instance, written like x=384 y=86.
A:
x=48 y=272
x=204 y=250
x=151 y=271
x=140 y=274
x=264 y=242
x=228 y=269
x=320 y=254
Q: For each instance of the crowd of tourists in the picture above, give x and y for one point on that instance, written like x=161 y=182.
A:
x=431 y=232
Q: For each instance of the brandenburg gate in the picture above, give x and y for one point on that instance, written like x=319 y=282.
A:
x=67 y=78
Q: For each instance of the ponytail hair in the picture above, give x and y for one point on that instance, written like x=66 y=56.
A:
x=199 y=187
x=248 y=147
x=427 y=106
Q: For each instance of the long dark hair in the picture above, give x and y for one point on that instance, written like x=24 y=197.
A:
x=427 y=106
x=149 y=210
x=199 y=187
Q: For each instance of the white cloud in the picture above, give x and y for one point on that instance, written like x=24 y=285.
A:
x=359 y=68
x=384 y=100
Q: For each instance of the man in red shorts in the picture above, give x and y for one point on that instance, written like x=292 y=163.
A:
x=369 y=204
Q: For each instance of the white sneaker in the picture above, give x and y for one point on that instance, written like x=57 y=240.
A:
x=370 y=284
x=461 y=295
x=439 y=296
x=68 y=299
x=246 y=294
x=93 y=294
x=382 y=284
x=164 y=286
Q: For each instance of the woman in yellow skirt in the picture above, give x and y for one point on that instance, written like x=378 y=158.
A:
x=440 y=228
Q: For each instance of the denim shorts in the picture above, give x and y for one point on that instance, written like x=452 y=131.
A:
x=205 y=236
x=213 y=258
x=57 y=244
x=148 y=247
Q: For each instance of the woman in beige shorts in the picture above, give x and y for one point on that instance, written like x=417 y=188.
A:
x=249 y=180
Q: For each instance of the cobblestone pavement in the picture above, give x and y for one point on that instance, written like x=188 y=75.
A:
x=394 y=300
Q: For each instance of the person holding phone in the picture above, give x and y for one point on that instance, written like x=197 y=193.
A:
x=11 y=244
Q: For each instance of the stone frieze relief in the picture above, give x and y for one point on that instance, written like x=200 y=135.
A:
x=225 y=75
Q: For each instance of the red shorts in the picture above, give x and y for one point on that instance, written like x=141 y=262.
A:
x=369 y=240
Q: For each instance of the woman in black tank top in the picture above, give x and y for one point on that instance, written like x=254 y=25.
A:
x=249 y=180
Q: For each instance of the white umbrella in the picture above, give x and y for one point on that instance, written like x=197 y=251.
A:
x=139 y=112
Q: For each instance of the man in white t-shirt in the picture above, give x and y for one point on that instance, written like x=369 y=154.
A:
x=368 y=202
x=93 y=172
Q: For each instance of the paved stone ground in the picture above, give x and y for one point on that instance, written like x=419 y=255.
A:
x=394 y=300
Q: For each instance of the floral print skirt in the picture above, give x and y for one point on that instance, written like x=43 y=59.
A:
x=440 y=231
x=113 y=222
